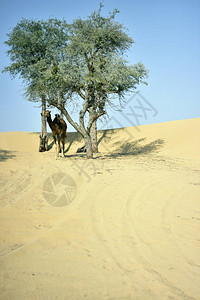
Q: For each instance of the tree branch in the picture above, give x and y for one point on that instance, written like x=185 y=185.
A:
x=69 y=119
x=83 y=112
x=93 y=117
x=80 y=93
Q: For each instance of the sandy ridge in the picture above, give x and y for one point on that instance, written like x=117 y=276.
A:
x=132 y=230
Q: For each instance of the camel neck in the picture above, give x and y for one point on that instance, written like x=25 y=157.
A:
x=50 y=122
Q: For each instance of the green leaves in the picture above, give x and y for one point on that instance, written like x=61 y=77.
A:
x=33 y=46
x=98 y=33
x=82 y=59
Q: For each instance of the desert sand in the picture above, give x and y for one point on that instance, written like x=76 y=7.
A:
x=125 y=225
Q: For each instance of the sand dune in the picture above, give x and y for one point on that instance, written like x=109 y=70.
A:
x=125 y=225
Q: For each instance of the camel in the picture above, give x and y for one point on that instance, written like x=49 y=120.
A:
x=59 y=131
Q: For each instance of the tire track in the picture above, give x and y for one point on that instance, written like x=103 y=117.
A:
x=182 y=219
x=143 y=224
x=121 y=245
x=109 y=241
x=128 y=245
x=16 y=185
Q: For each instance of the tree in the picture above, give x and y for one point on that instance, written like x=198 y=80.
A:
x=81 y=62
x=94 y=71
x=33 y=45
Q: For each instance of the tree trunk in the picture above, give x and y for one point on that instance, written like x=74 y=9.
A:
x=43 y=136
x=80 y=128
x=60 y=104
x=93 y=133
x=88 y=145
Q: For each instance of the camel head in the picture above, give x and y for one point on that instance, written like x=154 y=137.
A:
x=47 y=114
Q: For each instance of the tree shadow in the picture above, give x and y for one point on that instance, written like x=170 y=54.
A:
x=50 y=146
x=106 y=135
x=132 y=148
x=135 y=148
x=138 y=148
x=72 y=137
x=5 y=155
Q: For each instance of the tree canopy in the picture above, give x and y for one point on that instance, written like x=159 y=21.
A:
x=82 y=61
x=33 y=46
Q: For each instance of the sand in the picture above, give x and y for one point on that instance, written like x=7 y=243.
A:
x=125 y=225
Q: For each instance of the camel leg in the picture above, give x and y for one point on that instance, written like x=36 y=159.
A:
x=55 y=142
x=63 y=147
x=58 y=149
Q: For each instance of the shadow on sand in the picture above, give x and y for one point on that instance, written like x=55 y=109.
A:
x=72 y=137
x=128 y=148
x=139 y=147
x=132 y=148
x=6 y=154
x=105 y=137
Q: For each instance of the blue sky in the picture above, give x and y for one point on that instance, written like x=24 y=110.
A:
x=167 y=41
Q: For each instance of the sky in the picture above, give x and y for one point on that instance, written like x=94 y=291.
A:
x=167 y=42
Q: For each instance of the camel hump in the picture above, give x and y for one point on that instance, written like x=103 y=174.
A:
x=59 y=121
